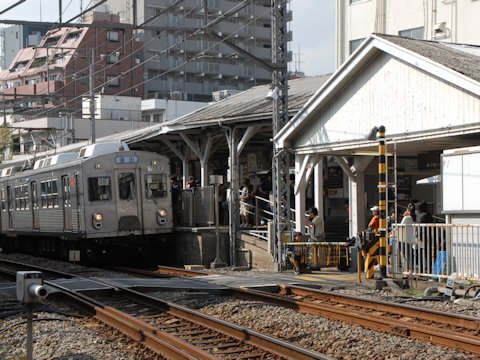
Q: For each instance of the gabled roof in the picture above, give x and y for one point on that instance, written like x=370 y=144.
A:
x=454 y=63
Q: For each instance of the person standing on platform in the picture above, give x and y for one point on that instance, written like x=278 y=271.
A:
x=176 y=200
x=407 y=237
x=315 y=225
x=374 y=223
x=316 y=232
x=191 y=183
x=245 y=195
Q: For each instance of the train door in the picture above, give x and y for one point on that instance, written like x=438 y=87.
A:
x=130 y=218
x=10 y=207
x=67 y=203
x=35 y=210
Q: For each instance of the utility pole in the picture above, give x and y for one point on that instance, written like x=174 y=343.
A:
x=92 y=96
x=280 y=162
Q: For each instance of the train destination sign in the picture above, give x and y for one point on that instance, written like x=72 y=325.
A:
x=126 y=159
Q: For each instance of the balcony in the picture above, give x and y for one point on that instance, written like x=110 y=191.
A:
x=41 y=88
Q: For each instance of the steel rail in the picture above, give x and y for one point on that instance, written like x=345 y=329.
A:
x=467 y=322
x=279 y=347
x=161 y=272
x=170 y=345
x=440 y=336
x=178 y=272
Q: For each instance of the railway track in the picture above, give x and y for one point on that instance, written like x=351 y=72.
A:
x=451 y=330
x=161 y=272
x=178 y=332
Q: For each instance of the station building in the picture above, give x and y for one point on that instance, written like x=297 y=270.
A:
x=425 y=93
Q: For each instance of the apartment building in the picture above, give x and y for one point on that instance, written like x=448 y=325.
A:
x=16 y=37
x=454 y=21
x=53 y=76
x=179 y=66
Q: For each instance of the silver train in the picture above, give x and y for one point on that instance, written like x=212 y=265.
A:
x=99 y=201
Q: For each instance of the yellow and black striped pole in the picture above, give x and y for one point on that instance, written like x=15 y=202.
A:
x=382 y=201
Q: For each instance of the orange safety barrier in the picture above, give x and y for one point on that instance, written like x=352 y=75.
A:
x=323 y=254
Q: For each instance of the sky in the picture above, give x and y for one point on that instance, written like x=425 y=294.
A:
x=313 y=28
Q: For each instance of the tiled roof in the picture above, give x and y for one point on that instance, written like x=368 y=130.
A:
x=252 y=105
x=464 y=59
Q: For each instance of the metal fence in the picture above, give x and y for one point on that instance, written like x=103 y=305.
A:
x=436 y=250
x=198 y=208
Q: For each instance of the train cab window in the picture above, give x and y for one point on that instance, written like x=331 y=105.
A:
x=99 y=188
x=155 y=186
x=126 y=186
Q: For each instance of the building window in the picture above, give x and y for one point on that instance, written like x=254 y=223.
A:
x=113 y=81
x=112 y=36
x=354 y=44
x=415 y=33
x=113 y=58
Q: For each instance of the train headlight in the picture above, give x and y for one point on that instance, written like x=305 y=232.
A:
x=162 y=213
x=162 y=216
x=97 y=221
x=97 y=217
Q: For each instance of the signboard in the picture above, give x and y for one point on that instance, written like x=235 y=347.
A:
x=404 y=187
x=429 y=161
x=335 y=181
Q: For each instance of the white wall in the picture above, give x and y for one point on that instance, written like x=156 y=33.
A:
x=357 y=21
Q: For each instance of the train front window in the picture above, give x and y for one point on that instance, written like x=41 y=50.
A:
x=126 y=186
x=155 y=186
x=99 y=188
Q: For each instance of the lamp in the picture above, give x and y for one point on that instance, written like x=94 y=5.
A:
x=372 y=135
x=273 y=93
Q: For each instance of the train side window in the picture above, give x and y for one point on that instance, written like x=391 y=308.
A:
x=43 y=194
x=126 y=186
x=155 y=186
x=49 y=193
x=16 y=197
x=54 y=193
x=3 y=194
x=99 y=188
x=25 y=199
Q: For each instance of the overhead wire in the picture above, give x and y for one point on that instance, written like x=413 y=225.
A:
x=140 y=49
x=166 y=50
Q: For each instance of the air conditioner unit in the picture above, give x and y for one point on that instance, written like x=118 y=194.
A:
x=440 y=28
x=137 y=61
x=175 y=95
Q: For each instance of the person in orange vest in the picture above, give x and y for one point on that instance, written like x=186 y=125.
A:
x=375 y=221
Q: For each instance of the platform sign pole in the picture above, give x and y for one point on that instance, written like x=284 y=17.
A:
x=216 y=180
x=29 y=314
